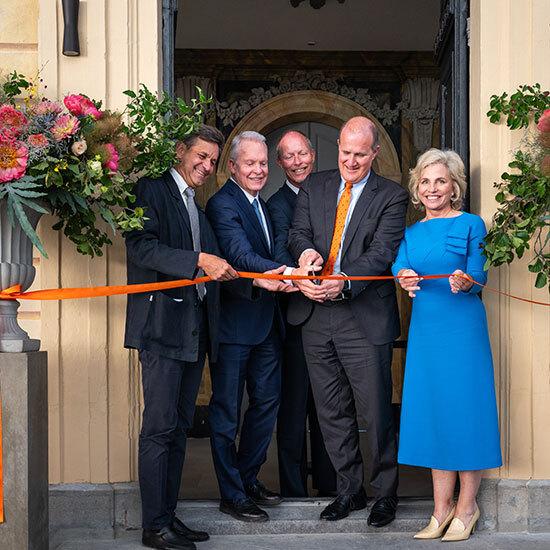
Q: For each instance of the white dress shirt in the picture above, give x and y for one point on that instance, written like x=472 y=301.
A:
x=251 y=199
x=293 y=187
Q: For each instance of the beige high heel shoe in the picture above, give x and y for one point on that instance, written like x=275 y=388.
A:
x=433 y=530
x=457 y=530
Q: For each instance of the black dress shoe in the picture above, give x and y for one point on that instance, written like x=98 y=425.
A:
x=181 y=529
x=342 y=505
x=166 y=539
x=383 y=511
x=262 y=496
x=245 y=510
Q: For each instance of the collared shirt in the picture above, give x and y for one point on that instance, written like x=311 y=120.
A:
x=182 y=186
x=356 y=191
x=293 y=187
x=251 y=199
x=180 y=182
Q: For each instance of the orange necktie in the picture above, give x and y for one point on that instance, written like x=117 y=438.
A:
x=339 y=224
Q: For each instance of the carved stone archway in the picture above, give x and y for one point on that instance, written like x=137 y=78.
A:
x=311 y=106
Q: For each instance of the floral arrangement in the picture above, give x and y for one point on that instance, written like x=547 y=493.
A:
x=522 y=218
x=71 y=159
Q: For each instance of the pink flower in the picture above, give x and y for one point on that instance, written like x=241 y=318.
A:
x=12 y=121
x=79 y=105
x=110 y=157
x=38 y=140
x=46 y=107
x=13 y=159
x=64 y=127
x=544 y=121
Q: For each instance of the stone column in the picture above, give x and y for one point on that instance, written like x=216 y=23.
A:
x=420 y=108
x=23 y=383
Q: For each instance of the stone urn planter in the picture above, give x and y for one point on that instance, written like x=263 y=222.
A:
x=15 y=268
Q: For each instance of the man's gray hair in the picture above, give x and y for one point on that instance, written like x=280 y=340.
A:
x=244 y=136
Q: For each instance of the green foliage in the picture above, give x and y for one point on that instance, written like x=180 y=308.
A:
x=526 y=103
x=13 y=86
x=156 y=123
x=84 y=174
x=522 y=218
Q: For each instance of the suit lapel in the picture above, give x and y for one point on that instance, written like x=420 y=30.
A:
x=359 y=211
x=248 y=211
x=289 y=196
x=330 y=195
x=182 y=209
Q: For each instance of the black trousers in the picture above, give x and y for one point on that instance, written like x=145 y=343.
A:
x=297 y=406
x=352 y=378
x=170 y=391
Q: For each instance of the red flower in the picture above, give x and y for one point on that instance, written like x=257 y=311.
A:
x=13 y=159
x=79 y=105
x=544 y=121
x=111 y=157
x=12 y=121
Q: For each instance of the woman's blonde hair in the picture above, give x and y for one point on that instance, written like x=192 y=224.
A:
x=454 y=164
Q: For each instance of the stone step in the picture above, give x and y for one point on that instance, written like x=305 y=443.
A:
x=301 y=516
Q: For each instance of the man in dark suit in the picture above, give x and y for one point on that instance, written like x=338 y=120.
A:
x=174 y=329
x=250 y=336
x=351 y=221
x=296 y=156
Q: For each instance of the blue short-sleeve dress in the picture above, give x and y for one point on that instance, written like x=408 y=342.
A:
x=449 y=415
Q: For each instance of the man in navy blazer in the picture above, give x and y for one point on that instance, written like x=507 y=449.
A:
x=250 y=336
x=296 y=156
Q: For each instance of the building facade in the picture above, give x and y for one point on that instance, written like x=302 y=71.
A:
x=94 y=393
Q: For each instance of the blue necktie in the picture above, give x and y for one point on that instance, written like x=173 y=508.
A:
x=256 y=206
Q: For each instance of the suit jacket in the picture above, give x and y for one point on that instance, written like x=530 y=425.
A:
x=370 y=245
x=281 y=210
x=244 y=320
x=166 y=322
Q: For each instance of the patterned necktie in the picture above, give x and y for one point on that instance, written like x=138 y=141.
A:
x=339 y=224
x=256 y=206
x=195 y=233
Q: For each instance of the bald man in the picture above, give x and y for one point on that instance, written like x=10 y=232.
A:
x=296 y=157
x=350 y=221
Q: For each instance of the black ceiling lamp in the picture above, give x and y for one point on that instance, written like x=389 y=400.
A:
x=315 y=4
x=71 y=44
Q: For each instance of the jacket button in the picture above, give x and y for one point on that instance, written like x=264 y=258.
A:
x=194 y=333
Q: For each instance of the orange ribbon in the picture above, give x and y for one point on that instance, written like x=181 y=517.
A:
x=14 y=292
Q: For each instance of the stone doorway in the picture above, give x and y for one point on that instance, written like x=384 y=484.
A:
x=270 y=89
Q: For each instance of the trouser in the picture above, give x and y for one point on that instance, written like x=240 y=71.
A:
x=170 y=389
x=352 y=378
x=257 y=366
x=297 y=406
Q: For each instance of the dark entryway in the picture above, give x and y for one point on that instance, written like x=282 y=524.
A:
x=403 y=62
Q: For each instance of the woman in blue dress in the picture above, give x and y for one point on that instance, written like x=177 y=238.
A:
x=449 y=416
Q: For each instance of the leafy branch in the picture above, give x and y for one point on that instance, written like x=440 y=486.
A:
x=156 y=123
x=522 y=219
x=528 y=102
